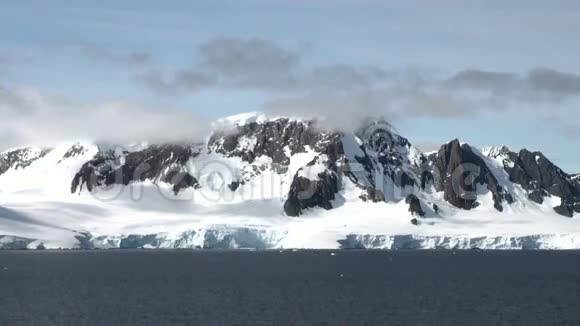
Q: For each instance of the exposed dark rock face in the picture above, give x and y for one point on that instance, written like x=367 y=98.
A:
x=20 y=158
x=384 y=155
x=164 y=163
x=74 y=151
x=576 y=179
x=537 y=196
x=565 y=210
x=415 y=205
x=277 y=139
x=426 y=179
x=534 y=171
x=180 y=180
x=363 y=179
x=308 y=193
x=458 y=171
x=280 y=139
x=436 y=209
x=542 y=178
x=568 y=206
x=234 y=185
x=373 y=195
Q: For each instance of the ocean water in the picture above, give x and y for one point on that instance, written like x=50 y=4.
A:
x=289 y=288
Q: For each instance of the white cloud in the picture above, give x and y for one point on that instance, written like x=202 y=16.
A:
x=257 y=64
x=134 y=58
x=539 y=84
x=29 y=117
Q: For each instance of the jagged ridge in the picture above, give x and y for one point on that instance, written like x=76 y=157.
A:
x=382 y=155
x=322 y=168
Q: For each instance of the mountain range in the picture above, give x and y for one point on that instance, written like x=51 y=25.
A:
x=279 y=183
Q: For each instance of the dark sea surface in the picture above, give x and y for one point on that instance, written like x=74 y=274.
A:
x=289 y=288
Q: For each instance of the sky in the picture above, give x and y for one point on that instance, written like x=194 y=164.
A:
x=487 y=72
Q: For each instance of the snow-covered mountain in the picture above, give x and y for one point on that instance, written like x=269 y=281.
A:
x=266 y=183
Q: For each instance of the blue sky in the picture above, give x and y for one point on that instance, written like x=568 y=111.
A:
x=487 y=72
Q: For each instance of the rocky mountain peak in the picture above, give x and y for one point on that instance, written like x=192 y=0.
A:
x=277 y=139
x=458 y=172
x=496 y=151
x=158 y=163
x=381 y=164
x=21 y=158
